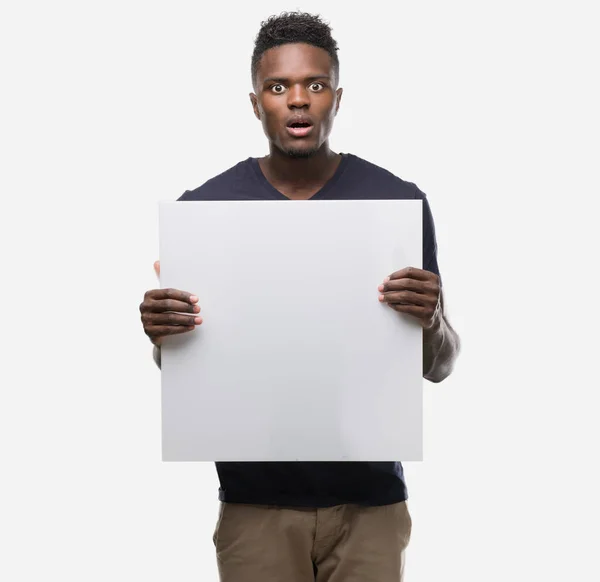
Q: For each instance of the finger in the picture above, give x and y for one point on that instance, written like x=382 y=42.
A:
x=413 y=273
x=407 y=298
x=155 y=331
x=157 y=268
x=170 y=319
x=168 y=293
x=164 y=305
x=407 y=285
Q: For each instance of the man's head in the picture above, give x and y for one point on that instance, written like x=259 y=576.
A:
x=295 y=73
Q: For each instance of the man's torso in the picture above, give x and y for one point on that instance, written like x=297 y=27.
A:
x=318 y=484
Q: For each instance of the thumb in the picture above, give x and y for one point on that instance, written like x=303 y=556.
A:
x=157 y=268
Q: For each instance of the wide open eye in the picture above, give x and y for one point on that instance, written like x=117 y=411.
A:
x=278 y=89
x=316 y=87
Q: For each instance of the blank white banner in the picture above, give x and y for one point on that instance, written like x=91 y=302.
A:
x=296 y=360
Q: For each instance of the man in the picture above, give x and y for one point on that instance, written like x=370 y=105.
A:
x=301 y=522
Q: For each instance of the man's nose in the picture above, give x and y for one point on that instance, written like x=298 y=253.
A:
x=298 y=97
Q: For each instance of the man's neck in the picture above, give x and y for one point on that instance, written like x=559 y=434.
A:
x=300 y=173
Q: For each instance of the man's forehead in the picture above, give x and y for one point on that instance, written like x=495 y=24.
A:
x=297 y=61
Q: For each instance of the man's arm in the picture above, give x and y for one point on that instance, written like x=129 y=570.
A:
x=441 y=346
x=418 y=292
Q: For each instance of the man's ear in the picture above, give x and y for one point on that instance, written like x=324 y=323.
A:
x=338 y=94
x=254 y=101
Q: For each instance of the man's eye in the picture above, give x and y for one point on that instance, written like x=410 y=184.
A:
x=278 y=89
x=317 y=87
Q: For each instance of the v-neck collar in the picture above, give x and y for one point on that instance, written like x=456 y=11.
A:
x=317 y=195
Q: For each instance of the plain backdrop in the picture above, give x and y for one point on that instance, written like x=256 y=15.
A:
x=491 y=108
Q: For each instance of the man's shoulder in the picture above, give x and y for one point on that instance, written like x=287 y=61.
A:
x=216 y=187
x=365 y=171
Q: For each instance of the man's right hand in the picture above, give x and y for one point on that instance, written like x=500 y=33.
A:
x=163 y=312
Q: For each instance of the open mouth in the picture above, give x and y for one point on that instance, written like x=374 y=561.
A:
x=299 y=129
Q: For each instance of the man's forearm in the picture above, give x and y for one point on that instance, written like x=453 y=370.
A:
x=441 y=345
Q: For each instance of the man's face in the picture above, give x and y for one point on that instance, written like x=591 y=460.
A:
x=296 y=98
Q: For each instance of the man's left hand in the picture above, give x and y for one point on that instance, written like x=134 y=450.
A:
x=416 y=292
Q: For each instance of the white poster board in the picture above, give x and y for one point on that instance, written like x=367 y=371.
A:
x=297 y=360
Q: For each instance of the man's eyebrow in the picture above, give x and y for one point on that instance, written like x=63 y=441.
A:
x=284 y=80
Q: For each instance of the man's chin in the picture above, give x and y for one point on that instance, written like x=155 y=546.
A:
x=299 y=153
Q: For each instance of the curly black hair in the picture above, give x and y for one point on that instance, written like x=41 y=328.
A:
x=291 y=27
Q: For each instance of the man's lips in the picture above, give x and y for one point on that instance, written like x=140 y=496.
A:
x=300 y=131
x=299 y=125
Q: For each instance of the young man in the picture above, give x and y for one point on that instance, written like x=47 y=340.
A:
x=301 y=522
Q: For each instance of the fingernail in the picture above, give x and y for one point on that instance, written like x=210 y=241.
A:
x=193 y=299
x=381 y=298
x=198 y=320
x=386 y=279
x=380 y=288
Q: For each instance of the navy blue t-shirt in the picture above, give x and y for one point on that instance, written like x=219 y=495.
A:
x=317 y=484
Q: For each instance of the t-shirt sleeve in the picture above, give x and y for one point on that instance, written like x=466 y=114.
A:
x=430 y=262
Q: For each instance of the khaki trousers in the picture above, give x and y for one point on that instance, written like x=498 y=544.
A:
x=345 y=543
